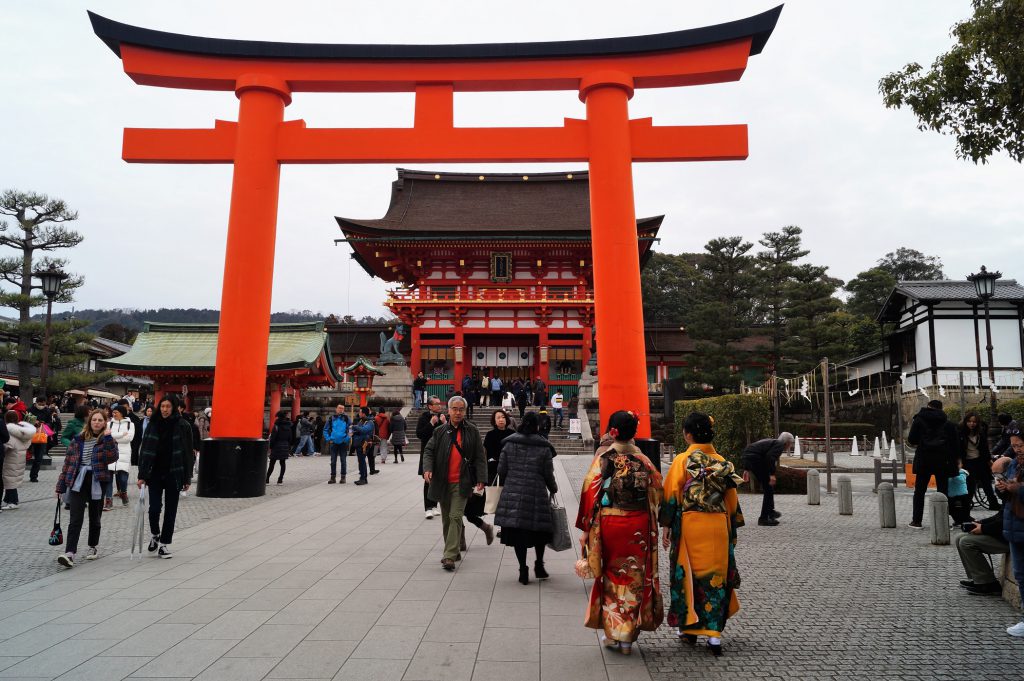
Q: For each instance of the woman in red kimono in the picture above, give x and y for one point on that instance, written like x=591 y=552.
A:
x=619 y=519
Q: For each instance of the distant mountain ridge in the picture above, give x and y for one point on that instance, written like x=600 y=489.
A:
x=133 y=320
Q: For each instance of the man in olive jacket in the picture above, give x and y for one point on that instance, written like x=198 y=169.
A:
x=454 y=466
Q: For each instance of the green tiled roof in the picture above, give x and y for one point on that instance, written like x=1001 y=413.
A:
x=181 y=347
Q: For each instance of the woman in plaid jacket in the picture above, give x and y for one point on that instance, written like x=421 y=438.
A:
x=85 y=477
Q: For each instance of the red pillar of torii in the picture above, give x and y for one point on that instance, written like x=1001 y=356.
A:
x=265 y=75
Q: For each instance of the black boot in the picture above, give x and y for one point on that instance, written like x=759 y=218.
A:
x=539 y=571
x=524 y=575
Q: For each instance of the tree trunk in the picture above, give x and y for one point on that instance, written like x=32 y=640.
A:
x=24 y=335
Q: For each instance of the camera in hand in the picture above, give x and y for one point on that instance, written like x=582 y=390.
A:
x=967 y=527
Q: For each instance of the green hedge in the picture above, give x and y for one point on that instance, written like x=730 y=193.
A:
x=739 y=420
x=805 y=429
x=1014 y=408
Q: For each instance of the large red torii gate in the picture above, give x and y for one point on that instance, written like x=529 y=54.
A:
x=265 y=75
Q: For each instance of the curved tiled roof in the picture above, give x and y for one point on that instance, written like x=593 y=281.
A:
x=527 y=204
x=185 y=347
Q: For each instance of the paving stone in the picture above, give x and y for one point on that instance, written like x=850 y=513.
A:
x=507 y=671
x=270 y=640
x=442 y=662
x=390 y=643
x=185 y=660
x=510 y=645
x=314 y=660
x=358 y=669
x=456 y=628
x=237 y=669
x=105 y=668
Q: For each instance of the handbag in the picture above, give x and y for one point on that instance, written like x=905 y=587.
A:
x=561 y=540
x=492 y=494
x=582 y=567
x=56 y=534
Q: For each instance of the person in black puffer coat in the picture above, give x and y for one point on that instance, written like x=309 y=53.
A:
x=524 y=510
x=280 y=443
x=937 y=454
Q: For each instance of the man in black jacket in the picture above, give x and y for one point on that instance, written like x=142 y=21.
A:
x=984 y=538
x=428 y=421
x=762 y=458
x=1008 y=426
x=937 y=451
x=454 y=468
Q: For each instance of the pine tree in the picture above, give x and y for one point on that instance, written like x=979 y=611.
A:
x=722 y=310
x=775 y=270
x=816 y=327
x=38 y=228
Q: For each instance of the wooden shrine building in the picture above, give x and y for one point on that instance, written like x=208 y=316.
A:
x=493 y=272
x=179 y=358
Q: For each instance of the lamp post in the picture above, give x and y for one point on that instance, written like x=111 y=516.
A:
x=50 y=279
x=985 y=286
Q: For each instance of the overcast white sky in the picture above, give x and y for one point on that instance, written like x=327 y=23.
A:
x=824 y=152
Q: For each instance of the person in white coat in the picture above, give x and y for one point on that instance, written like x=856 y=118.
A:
x=15 y=453
x=123 y=431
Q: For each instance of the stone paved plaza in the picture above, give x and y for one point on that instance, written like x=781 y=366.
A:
x=318 y=582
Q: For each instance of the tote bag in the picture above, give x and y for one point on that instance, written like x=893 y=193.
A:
x=560 y=538
x=492 y=494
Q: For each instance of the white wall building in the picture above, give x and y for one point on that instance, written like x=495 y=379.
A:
x=940 y=333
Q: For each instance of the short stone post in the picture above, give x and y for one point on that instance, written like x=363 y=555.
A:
x=940 y=519
x=845 y=487
x=813 y=487
x=886 y=505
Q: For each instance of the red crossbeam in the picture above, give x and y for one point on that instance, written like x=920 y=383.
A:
x=298 y=144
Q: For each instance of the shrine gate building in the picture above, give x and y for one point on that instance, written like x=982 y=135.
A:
x=493 y=272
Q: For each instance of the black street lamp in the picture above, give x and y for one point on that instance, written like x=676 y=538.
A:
x=50 y=279
x=985 y=286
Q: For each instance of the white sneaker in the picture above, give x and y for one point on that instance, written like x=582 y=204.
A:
x=428 y=514
x=1016 y=630
x=92 y=554
x=437 y=512
x=10 y=507
x=165 y=551
x=67 y=560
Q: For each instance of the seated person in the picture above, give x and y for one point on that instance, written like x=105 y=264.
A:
x=986 y=537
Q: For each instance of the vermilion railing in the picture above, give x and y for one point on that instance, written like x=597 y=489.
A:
x=504 y=295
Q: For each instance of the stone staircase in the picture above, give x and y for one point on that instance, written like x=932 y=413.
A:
x=482 y=420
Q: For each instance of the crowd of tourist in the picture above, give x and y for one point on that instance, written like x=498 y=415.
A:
x=628 y=511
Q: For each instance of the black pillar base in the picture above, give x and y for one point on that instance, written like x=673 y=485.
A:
x=651 y=449
x=232 y=467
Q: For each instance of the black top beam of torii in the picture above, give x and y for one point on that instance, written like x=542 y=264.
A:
x=758 y=27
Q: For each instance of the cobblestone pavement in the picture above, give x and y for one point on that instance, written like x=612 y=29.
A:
x=25 y=556
x=826 y=596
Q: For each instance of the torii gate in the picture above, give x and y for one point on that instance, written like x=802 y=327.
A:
x=264 y=76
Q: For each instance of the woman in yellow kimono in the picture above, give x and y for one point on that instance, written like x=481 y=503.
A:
x=700 y=514
x=619 y=519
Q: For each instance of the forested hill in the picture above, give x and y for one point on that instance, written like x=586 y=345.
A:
x=123 y=324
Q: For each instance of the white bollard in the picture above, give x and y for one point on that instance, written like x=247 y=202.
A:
x=940 y=518
x=845 y=486
x=854 y=451
x=797 y=452
x=885 y=442
x=877 y=453
x=886 y=505
x=892 y=451
x=813 y=487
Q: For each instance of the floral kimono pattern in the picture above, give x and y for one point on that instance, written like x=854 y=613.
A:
x=622 y=542
x=701 y=508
